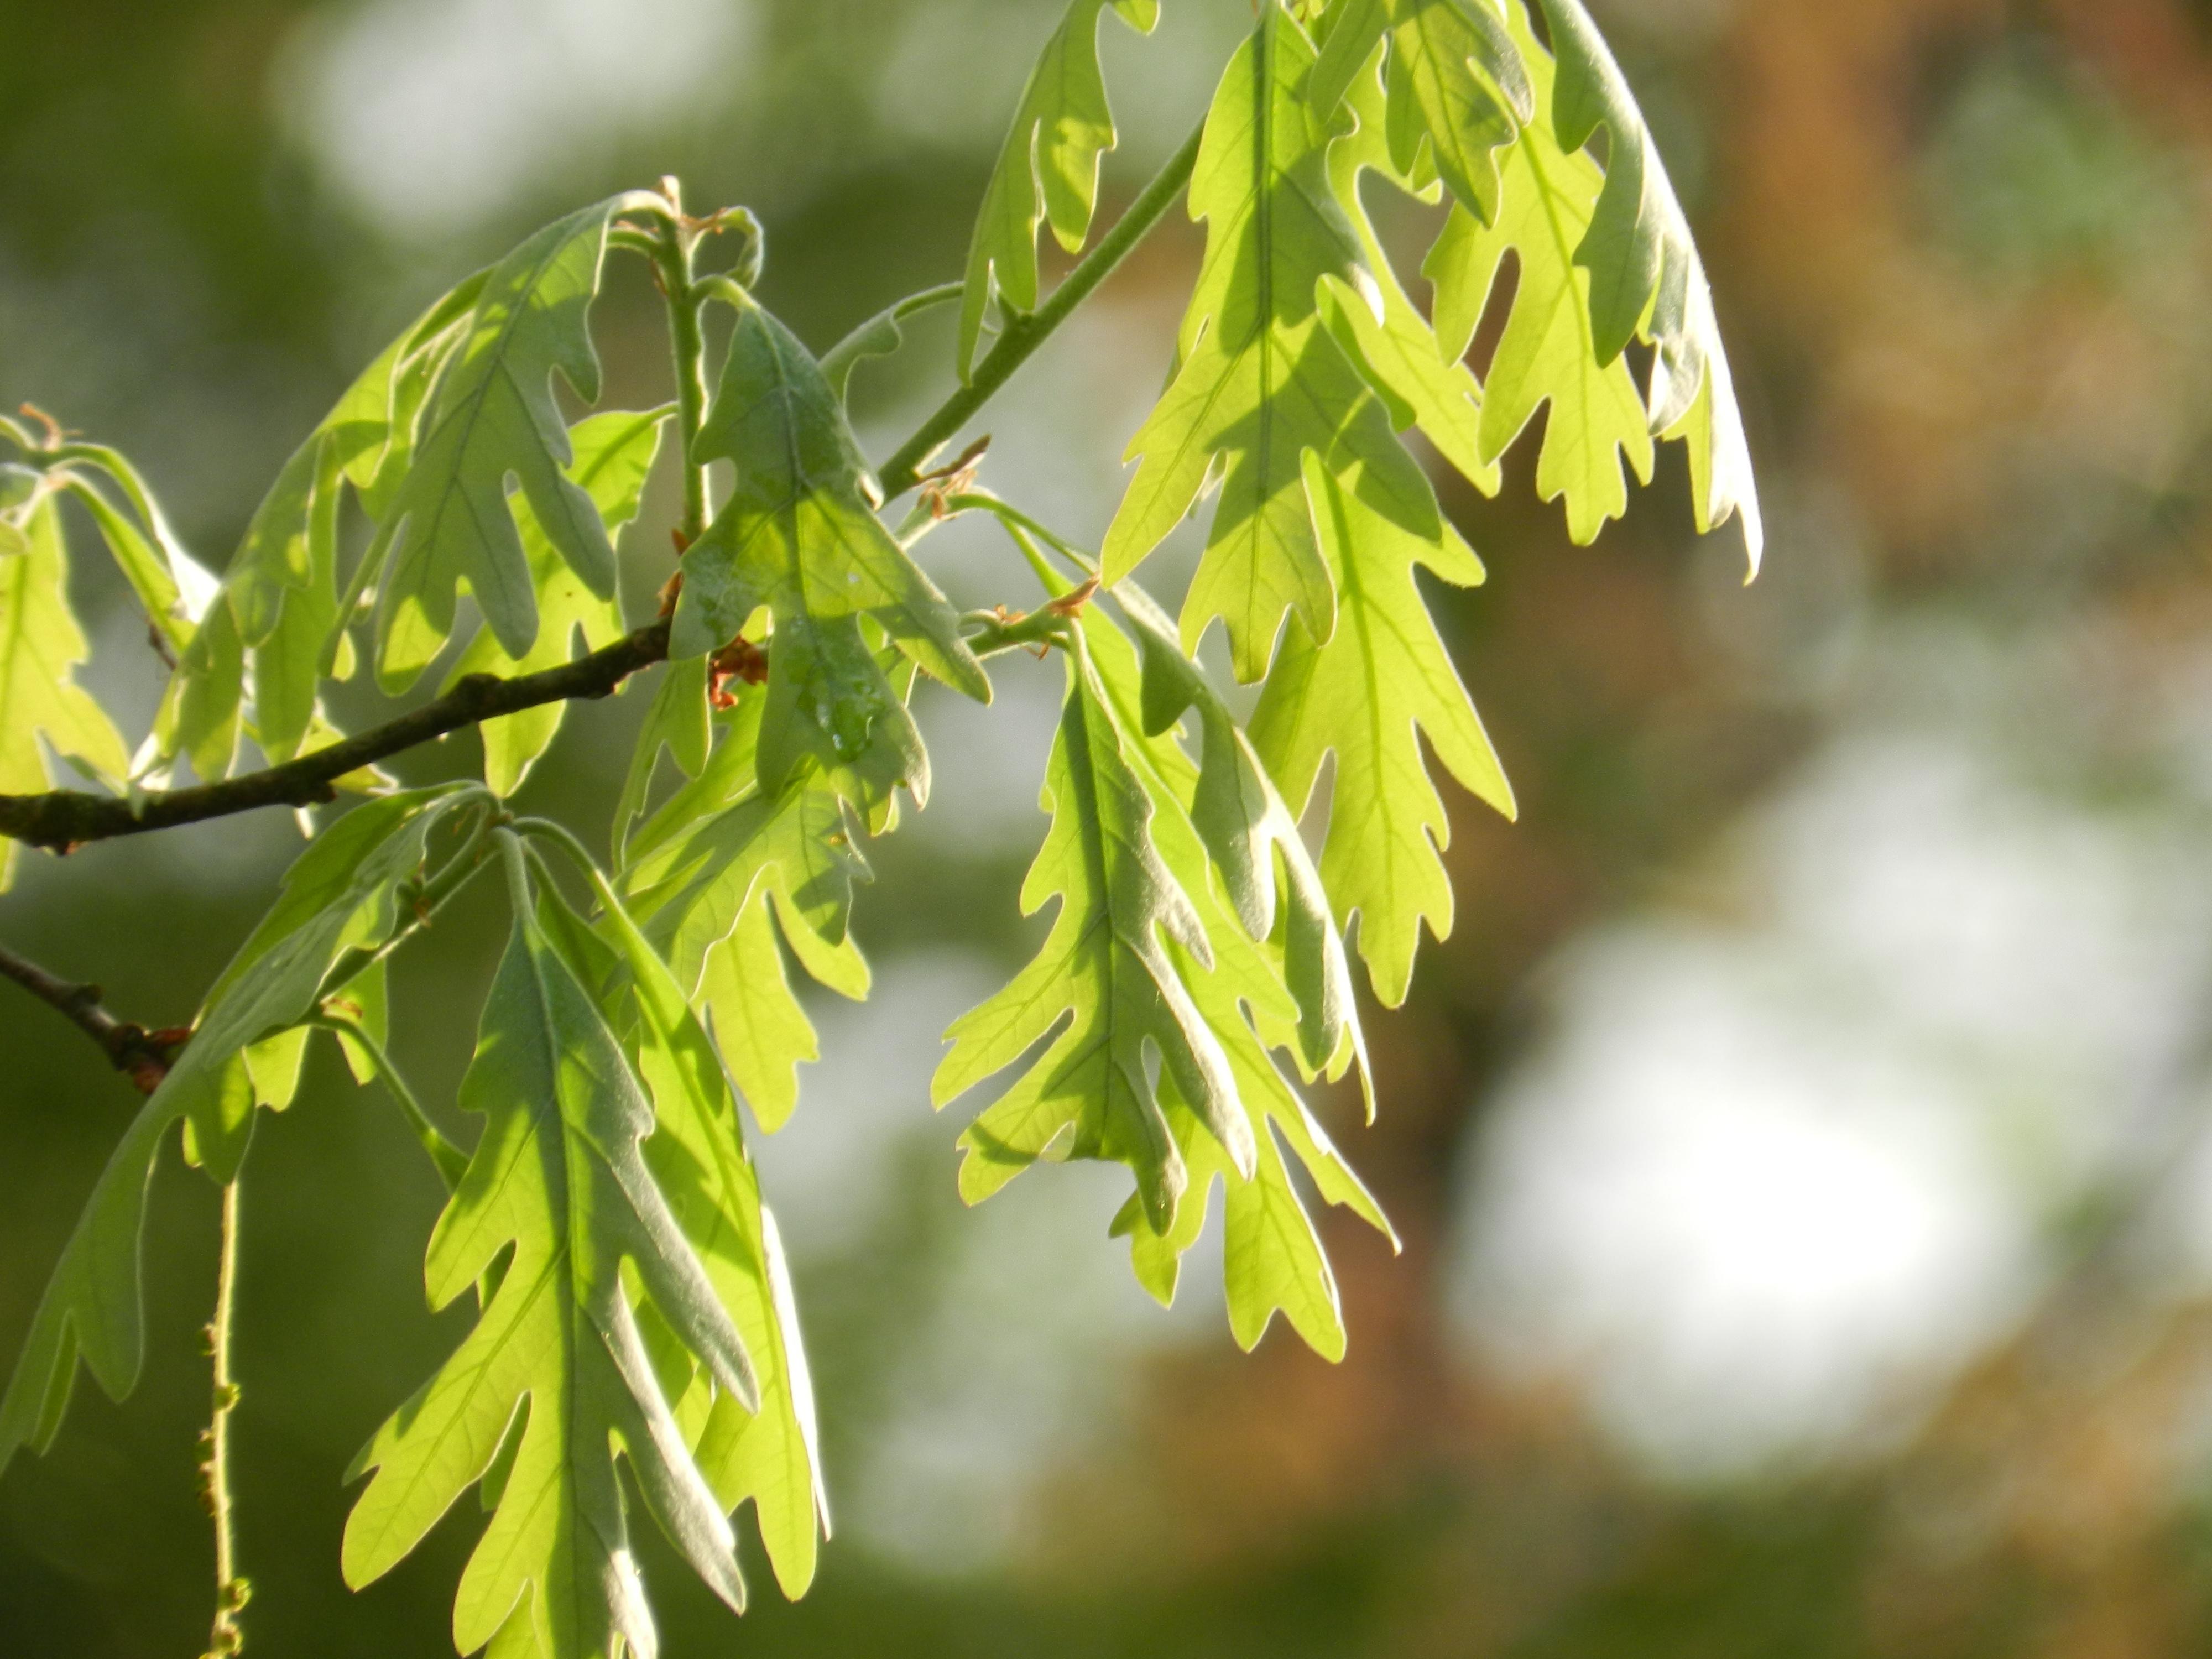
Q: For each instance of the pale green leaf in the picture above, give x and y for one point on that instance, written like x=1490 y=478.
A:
x=1104 y=986
x=1458 y=84
x=614 y=452
x=800 y=538
x=1547 y=354
x=698 y=1157
x=40 y=649
x=559 y=1187
x=492 y=418
x=1047 y=168
x=1369 y=696
x=92 y=1305
x=1646 y=277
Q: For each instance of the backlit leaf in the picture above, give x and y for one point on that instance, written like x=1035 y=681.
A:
x=1047 y=169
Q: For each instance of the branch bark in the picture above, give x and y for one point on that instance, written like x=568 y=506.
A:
x=142 y=1056
x=64 y=819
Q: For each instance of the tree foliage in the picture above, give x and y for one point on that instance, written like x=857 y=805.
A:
x=633 y=1304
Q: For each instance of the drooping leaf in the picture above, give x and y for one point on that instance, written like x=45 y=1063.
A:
x=92 y=1306
x=40 y=649
x=1274 y=1259
x=1104 y=986
x=1547 y=354
x=558 y=1185
x=1646 y=278
x=1369 y=696
x=1047 y=168
x=614 y=452
x=697 y=1155
x=678 y=721
x=1238 y=814
x=281 y=584
x=1264 y=390
x=722 y=873
x=1377 y=324
x=492 y=416
x=800 y=537
x=1457 y=84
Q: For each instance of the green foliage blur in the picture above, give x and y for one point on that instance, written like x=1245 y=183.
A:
x=1960 y=251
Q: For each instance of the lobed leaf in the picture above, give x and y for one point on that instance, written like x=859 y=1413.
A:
x=559 y=1189
x=613 y=454
x=800 y=537
x=1047 y=168
x=93 y=1305
x=1646 y=278
x=492 y=418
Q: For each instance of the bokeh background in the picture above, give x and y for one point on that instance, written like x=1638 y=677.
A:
x=1800 y=1146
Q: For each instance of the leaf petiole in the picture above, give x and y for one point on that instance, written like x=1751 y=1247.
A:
x=451 y=1160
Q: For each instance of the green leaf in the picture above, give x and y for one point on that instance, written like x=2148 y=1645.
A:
x=881 y=335
x=282 y=583
x=559 y=1187
x=1548 y=353
x=1377 y=324
x=614 y=452
x=1105 y=986
x=1047 y=169
x=678 y=721
x=1236 y=813
x=800 y=538
x=698 y=1157
x=722 y=873
x=492 y=416
x=1457 y=82
x=40 y=649
x=1273 y=1258
x=93 y=1305
x=1368 y=695
x=1646 y=278
x=1263 y=389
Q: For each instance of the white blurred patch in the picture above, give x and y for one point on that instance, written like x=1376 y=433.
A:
x=1778 y=1172
x=431 y=115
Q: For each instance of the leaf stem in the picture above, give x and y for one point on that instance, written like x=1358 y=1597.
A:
x=673 y=242
x=225 y=1638
x=1024 y=334
x=452 y=1163
x=435 y=893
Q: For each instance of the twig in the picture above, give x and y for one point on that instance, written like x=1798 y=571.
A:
x=141 y=1055
x=67 y=818
x=232 y=1592
x=1024 y=334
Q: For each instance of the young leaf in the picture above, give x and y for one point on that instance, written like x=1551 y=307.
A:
x=282 y=583
x=800 y=538
x=40 y=649
x=1548 y=353
x=492 y=416
x=697 y=1155
x=706 y=875
x=558 y=1185
x=1378 y=325
x=1273 y=1258
x=1047 y=169
x=92 y=1305
x=1457 y=82
x=1263 y=388
x=614 y=452
x=1106 y=971
x=1367 y=696
x=1236 y=813
x=1646 y=278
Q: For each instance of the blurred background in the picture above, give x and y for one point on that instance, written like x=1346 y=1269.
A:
x=1800 y=1145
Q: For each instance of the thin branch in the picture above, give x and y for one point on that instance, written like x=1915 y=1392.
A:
x=67 y=818
x=231 y=1591
x=142 y=1056
x=1024 y=334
